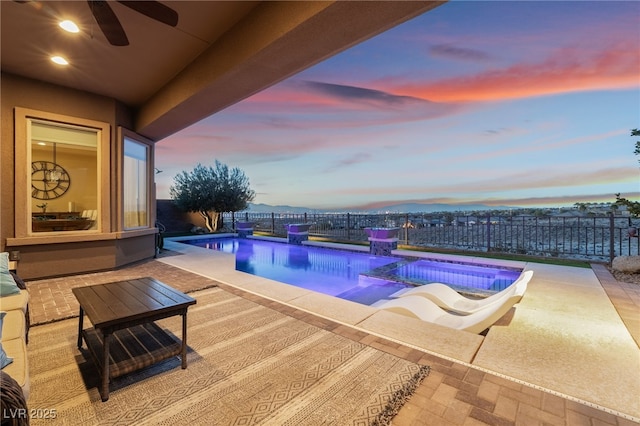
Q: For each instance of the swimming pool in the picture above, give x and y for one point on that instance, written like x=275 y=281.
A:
x=356 y=276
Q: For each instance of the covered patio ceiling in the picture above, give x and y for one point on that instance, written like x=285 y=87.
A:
x=219 y=53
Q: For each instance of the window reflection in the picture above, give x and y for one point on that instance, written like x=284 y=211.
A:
x=136 y=190
x=64 y=177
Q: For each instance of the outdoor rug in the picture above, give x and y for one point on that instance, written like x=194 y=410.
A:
x=247 y=364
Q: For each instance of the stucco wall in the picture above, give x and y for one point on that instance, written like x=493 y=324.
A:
x=21 y=92
x=174 y=219
x=107 y=250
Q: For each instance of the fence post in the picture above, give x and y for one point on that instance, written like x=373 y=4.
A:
x=305 y=217
x=488 y=233
x=612 y=244
x=406 y=229
x=348 y=227
x=273 y=223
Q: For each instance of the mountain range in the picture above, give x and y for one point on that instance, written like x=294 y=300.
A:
x=393 y=208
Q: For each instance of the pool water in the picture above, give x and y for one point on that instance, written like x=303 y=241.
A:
x=476 y=280
x=356 y=276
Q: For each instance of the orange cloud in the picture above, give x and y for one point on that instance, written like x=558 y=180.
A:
x=567 y=70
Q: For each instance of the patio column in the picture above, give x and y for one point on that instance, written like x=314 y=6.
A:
x=382 y=247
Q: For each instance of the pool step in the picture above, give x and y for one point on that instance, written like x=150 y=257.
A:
x=473 y=280
x=371 y=290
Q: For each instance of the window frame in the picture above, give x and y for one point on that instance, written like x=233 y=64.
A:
x=151 y=210
x=22 y=120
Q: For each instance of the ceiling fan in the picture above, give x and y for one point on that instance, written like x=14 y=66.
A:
x=110 y=24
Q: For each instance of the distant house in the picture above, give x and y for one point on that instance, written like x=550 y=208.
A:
x=466 y=221
x=436 y=223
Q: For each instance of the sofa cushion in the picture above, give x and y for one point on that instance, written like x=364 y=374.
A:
x=19 y=368
x=13 y=325
x=8 y=285
x=4 y=358
x=18 y=301
x=22 y=300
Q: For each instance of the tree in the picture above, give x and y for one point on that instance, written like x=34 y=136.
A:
x=581 y=206
x=632 y=206
x=212 y=191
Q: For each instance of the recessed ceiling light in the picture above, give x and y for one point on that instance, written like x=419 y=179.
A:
x=69 y=26
x=59 y=60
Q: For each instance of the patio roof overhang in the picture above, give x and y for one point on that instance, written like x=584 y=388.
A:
x=219 y=53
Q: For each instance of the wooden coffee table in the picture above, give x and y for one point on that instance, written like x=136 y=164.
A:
x=124 y=337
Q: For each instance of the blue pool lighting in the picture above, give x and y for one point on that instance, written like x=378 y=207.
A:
x=356 y=276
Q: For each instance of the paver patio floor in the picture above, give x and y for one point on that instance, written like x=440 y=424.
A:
x=512 y=379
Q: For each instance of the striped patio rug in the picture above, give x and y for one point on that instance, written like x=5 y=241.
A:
x=247 y=365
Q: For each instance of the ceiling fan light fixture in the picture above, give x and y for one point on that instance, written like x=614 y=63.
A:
x=69 y=26
x=59 y=60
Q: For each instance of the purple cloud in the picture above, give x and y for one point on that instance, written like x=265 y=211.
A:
x=357 y=94
x=465 y=54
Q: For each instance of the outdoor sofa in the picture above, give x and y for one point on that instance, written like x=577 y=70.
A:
x=14 y=314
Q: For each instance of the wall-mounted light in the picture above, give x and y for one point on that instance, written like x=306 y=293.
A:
x=59 y=60
x=69 y=26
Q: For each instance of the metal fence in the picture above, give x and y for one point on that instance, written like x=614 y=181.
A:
x=596 y=238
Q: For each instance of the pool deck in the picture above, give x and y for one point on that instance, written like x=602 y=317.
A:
x=565 y=336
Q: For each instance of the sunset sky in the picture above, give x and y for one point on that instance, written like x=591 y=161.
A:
x=502 y=103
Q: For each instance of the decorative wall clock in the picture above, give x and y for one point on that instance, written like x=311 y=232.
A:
x=48 y=180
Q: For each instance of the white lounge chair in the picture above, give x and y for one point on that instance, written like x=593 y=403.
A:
x=449 y=299
x=424 y=309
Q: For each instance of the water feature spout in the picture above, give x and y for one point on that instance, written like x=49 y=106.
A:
x=244 y=229
x=382 y=240
x=298 y=227
x=297 y=232
x=382 y=233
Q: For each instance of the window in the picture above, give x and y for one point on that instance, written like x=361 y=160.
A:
x=136 y=184
x=64 y=177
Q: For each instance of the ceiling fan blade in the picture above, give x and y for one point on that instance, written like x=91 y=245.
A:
x=34 y=3
x=154 y=10
x=108 y=22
